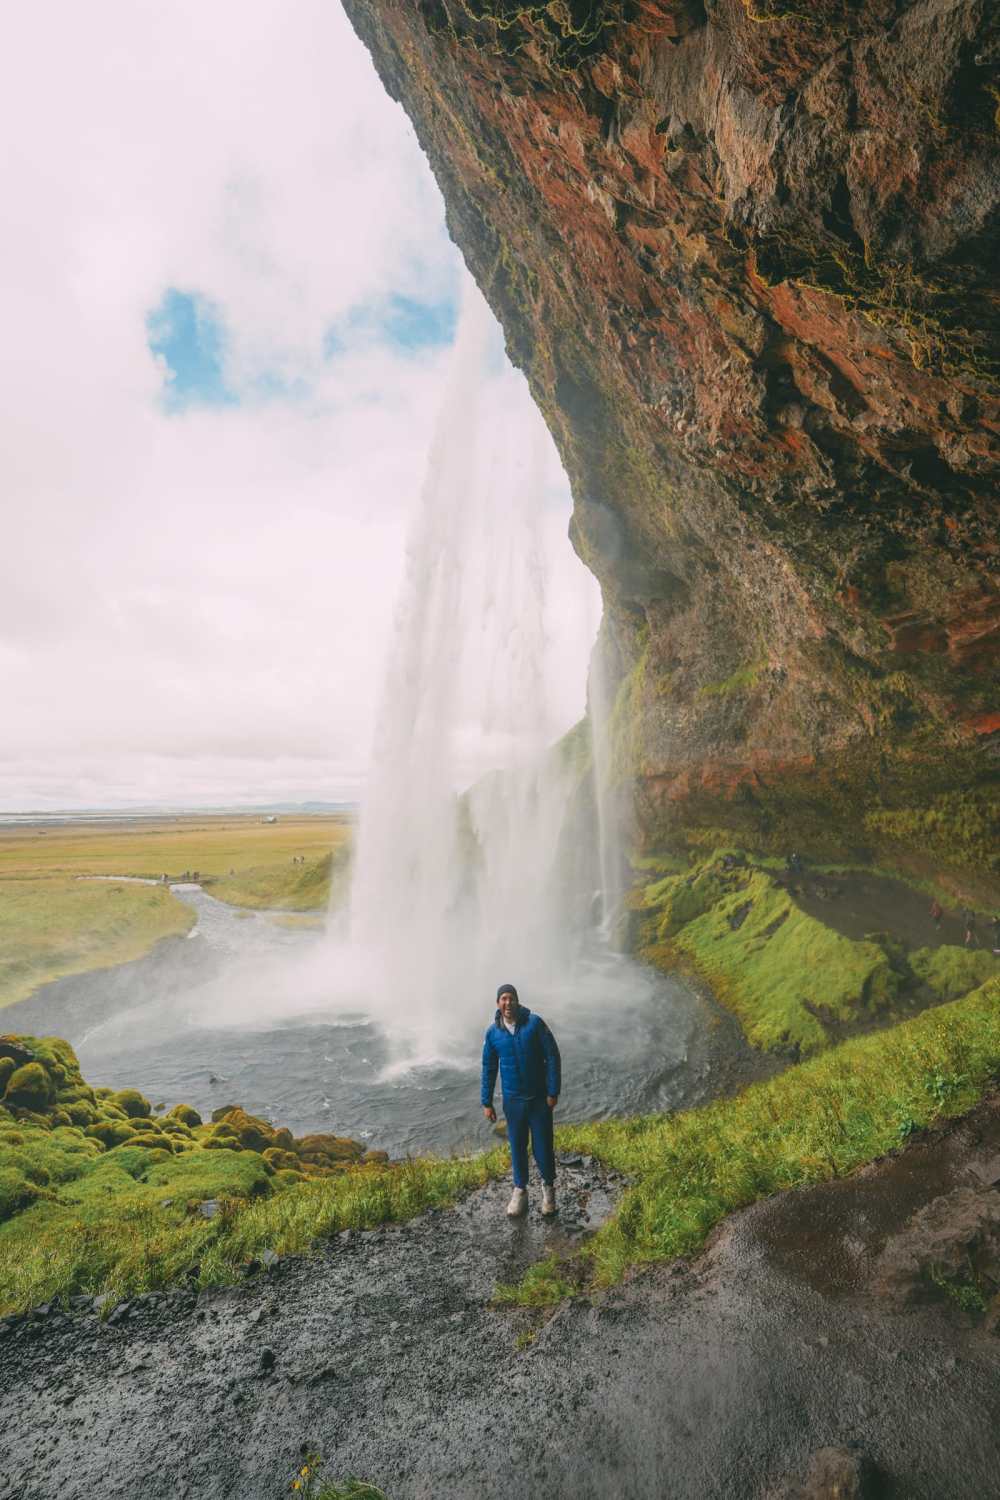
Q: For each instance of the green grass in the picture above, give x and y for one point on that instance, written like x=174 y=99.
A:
x=114 y=1232
x=53 y=924
x=57 y=926
x=285 y=887
x=817 y=1121
x=788 y=977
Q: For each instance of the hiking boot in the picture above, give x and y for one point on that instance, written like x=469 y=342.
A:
x=518 y=1204
x=548 y=1200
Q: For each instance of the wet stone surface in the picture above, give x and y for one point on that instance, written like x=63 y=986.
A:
x=722 y=1380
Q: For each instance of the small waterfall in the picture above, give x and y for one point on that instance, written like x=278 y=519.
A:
x=607 y=796
x=452 y=894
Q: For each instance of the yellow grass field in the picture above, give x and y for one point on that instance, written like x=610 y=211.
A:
x=52 y=923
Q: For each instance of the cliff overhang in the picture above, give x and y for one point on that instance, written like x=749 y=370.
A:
x=744 y=251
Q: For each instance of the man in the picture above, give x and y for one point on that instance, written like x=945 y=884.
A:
x=524 y=1050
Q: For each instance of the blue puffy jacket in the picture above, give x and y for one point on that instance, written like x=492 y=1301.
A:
x=528 y=1059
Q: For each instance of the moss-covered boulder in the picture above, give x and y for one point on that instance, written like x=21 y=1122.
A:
x=7 y=1067
x=110 y=1133
x=185 y=1114
x=281 y=1160
x=30 y=1087
x=252 y=1134
x=132 y=1103
x=330 y=1148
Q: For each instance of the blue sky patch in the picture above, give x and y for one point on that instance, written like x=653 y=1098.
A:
x=185 y=330
x=404 y=323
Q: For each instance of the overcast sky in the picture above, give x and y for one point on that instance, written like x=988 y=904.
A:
x=228 y=301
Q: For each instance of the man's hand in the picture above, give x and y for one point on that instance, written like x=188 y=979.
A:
x=552 y=1100
x=490 y=1113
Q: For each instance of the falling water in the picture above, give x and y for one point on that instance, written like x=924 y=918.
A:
x=451 y=892
x=607 y=795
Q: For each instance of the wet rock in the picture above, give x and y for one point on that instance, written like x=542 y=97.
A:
x=834 y=1474
x=210 y=1208
x=944 y=1244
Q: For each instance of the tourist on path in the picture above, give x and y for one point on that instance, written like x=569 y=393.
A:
x=524 y=1051
x=971 y=940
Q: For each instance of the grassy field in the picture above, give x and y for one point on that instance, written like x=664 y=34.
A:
x=54 y=927
x=213 y=846
x=52 y=923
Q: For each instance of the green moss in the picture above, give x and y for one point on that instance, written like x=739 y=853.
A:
x=29 y=1087
x=790 y=979
x=951 y=972
x=740 y=681
x=132 y=1103
x=186 y=1115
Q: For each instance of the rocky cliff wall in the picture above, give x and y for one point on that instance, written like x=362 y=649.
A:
x=745 y=252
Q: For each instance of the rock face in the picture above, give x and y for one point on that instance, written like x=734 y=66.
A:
x=744 y=252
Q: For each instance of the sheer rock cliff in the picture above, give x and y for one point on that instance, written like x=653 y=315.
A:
x=745 y=253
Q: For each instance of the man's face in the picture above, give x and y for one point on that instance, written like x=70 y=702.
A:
x=508 y=1006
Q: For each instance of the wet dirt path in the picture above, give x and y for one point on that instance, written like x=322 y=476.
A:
x=805 y=1323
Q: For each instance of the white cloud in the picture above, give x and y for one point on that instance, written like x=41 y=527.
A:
x=200 y=602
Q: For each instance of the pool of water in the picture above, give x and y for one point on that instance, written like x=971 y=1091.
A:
x=245 y=1010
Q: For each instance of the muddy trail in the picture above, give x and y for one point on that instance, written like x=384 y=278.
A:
x=816 y=1318
x=858 y=902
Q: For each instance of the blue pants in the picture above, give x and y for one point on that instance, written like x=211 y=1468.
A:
x=532 y=1116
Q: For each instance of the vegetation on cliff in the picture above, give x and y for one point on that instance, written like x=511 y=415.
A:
x=795 y=983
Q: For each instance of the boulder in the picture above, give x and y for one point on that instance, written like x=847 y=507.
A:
x=335 y=1147
x=281 y=1160
x=186 y=1115
x=134 y=1104
x=29 y=1087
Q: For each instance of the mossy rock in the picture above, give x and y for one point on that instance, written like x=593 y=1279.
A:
x=134 y=1104
x=221 y=1143
x=178 y=1129
x=283 y=1139
x=286 y=1176
x=149 y=1141
x=31 y=1117
x=336 y=1147
x=82 y=1113
x=252 y=1133
x=373 y=1158
x=7 y=1067
x=104 y=1093
x=222 y=1111
x=61 y=1117
x=186 y=1115
x=281 y=1160
x=29 y=1087
x=110 y=1133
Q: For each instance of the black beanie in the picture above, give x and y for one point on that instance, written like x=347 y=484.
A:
x=507 y=989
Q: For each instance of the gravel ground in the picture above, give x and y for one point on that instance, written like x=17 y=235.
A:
x=689 y=1382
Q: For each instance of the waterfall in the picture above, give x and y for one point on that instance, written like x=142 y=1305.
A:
x=607 y=797
x=453 y=894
